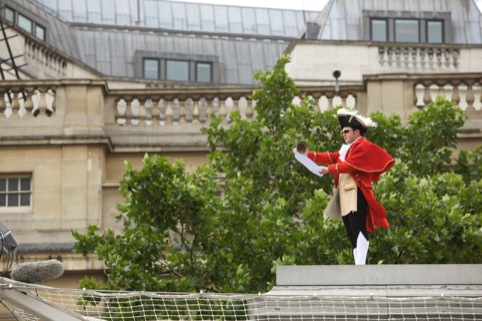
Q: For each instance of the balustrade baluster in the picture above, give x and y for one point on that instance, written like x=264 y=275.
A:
x=161 y=105
x=43 y=101
x=316 y=106
x=430 y=57
x=229 y=104
x=134 y=109
x=182 y=112
x=148 y=107
x=22 y=111
x=405 y=57
x=447 y=57
x=455 y=55
x=9 y=97
x=203 y=105
x=169 y=113
x=463 y=96
x=49 y=102
x=414 y=57
x=434 y=89
x=156 y=110
x=422 y=57
x=448 y=91
x=236 y=107
x=390 y=56
x=195 y=112
x=176 y=106
x=455 y=94
x=441 y=91
x=478 y=102
x=296 y=100
x=2 y=104
x=398 y=59
x=337 y=101
x=222 y=112
x=36 y=102
x=427 y=97
x=439 y=57
x=121 y=107
x=209 y=110
x=419 y=94
x=381 y=55
x=470 y=98
x=351 y=101
x=250 y=109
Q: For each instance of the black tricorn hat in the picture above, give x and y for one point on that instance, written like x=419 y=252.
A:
x=351 y=118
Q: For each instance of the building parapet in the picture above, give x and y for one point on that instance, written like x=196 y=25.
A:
x=64 y=109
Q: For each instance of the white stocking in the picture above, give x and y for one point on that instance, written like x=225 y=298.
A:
x=361 y=249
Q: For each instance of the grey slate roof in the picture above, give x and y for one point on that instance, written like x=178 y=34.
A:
x=343 y=19
x=104 y=34
x=183 y=16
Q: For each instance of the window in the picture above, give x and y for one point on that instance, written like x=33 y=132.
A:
x=15 y=191
x=24 y=23
x=9 y=15
x=151 y=68
x=435 y=31
x=203 y=72
x=407 y=30
x=408 y=27
x=177 y=70
x=39 y=32
x=176 y=67
x=379 y=30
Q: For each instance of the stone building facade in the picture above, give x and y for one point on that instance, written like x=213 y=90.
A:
x=83 y=94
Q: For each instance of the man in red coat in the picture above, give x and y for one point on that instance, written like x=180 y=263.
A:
x=355 y=166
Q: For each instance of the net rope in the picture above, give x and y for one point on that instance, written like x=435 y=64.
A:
x=133 y=306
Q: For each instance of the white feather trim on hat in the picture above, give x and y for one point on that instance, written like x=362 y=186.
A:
x=365 y=121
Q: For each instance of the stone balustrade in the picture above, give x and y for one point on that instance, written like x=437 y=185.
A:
x=151 y=107
x=47 y=58
x=418 y=56
x=165 y=107
x=18 y=101
x=465 y=92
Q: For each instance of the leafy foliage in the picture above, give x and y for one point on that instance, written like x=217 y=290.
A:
x=180 y=236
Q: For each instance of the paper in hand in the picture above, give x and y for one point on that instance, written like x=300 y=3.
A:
x=308 y=163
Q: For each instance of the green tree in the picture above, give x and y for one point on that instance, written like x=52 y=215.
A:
x=178 y=235
x=166 y=218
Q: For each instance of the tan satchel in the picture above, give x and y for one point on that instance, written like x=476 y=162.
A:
x=333 y=209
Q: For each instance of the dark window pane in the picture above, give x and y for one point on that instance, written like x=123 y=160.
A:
x=25 y=23
x=177 y=70
x=406 y=31
x=379 y=30
x=3 y=184
x=434 y=31
x=25 y=184
x=40 y=32
x=3 y=200
x=13 y=184
x=203 y=72
x=25 y=199
x=151 y=69
x=9 y=15
x=12 y=200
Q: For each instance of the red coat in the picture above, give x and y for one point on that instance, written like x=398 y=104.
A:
x=365 y=161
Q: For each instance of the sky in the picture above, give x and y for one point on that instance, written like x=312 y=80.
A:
x=281 y=4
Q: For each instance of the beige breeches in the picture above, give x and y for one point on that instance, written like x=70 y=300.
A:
x=348 y=194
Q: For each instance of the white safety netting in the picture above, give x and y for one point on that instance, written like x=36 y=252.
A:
x=134 y=306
